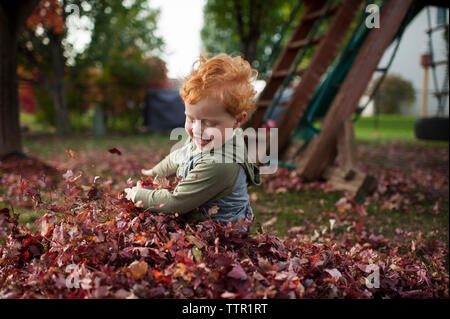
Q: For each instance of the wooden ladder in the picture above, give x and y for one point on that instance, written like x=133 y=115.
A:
x=280 y=70
x=321 y=151
x=327 y=47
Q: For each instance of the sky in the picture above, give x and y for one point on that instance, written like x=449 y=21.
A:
x=407 y=60
x=180 y=22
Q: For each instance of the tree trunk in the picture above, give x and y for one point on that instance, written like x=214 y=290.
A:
x=248 y=32
x=10 y=139
x=249 y=47
x=12 y=15
x=57 y=87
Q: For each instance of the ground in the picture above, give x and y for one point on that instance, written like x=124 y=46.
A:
x=407 y=217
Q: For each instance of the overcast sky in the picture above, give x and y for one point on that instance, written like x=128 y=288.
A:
x=407 y=60
x=180 y=22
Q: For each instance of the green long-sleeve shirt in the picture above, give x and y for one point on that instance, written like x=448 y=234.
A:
x=205 y=178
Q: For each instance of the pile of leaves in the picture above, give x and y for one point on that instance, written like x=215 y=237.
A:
x=93 y=243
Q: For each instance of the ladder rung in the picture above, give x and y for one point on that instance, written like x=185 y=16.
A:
x=283 y=73
x=316 y=14
x=440 y=62
x=267 y=103
x=440 y=93
x=301 y=43
x=442 y=26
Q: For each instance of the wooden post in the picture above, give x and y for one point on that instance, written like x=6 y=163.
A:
x=347 y=175
x=425 y=92
x=319 y=154
x=425 y=61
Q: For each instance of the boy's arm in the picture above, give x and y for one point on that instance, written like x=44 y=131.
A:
x=203 y=183
x=168 y=166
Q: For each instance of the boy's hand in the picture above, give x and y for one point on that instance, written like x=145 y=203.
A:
x=131 y=192
x=148 y=172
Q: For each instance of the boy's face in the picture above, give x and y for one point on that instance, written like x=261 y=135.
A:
x=209 y=124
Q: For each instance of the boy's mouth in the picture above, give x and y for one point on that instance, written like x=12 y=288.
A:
x=201 y=141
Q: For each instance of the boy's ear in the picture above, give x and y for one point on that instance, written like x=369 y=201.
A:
x=240 y=119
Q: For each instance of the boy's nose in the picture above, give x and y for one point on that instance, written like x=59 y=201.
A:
x=197 y=127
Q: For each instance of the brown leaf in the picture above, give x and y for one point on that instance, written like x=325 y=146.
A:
x=195 y=241
x=270 y=222
x=138 y=269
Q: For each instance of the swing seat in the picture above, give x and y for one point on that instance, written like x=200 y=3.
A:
x=432 y=128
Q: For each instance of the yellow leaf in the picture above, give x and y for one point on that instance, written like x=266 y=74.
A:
x=138 y=269
x=195 y=241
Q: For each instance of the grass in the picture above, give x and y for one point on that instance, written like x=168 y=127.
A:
x=386 y=128
x=391 y=128
x=311 y=207
x=46 y=145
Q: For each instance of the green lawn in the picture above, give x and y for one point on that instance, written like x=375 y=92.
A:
x=48 y=145
x=312 y=208
x=389 y=128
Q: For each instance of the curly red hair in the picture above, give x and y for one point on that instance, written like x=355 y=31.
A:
x=223 y=77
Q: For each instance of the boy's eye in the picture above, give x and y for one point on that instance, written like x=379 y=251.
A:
x=205 y=123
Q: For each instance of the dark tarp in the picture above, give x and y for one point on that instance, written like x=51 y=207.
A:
x=163 y=110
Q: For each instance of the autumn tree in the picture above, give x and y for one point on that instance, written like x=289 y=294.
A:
x=393 y=93
x=246 y=27
x=42 y=45
x=122 y=57
x=122 y=37
x=13 y=15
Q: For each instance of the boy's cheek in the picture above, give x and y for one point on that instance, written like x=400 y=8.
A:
x=188 y=129
x=213 y=133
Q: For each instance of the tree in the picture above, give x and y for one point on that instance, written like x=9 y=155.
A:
x=122 y=56
x=247 y=27
x=46 y=52
x=13 y=15
x=393 y=93
x=118 y=26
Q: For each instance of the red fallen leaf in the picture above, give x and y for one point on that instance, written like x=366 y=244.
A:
x=160 y=277
x=25 y=187
x=4 y=211
x=70 y=153
x=115 y=151
x=336 y=274
x=45 y=227
x=147 y=182
x=168 y=244
x=237 y=273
